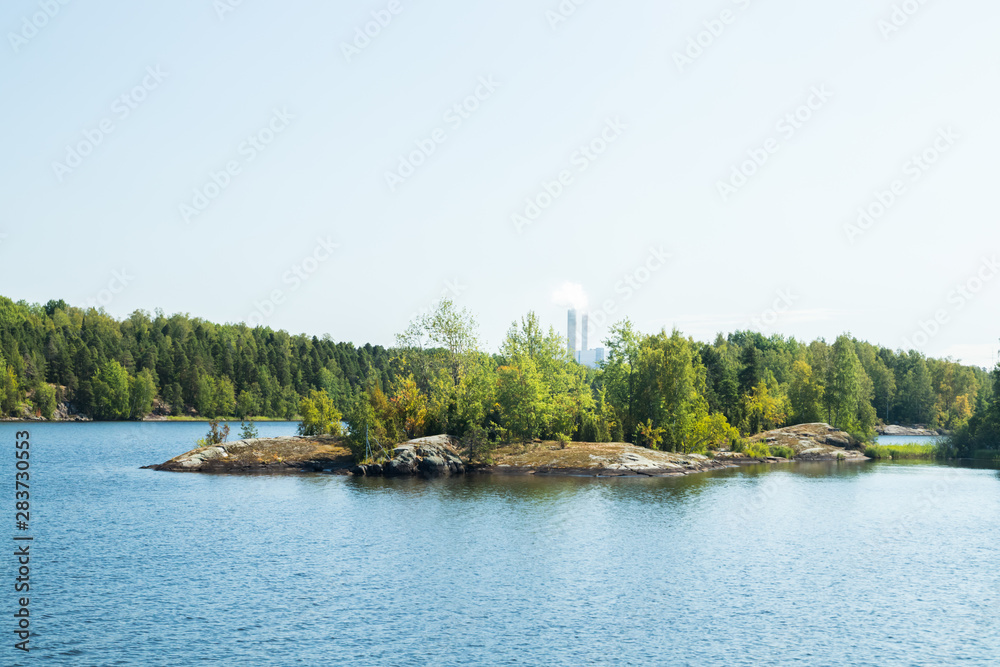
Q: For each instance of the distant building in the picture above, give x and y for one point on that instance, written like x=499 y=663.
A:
x=591 y=358
x=571 y=331
x=585 y=356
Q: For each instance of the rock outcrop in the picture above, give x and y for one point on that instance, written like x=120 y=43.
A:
x=433 y=456
x=814 y=442
x=289 y=453
x=595 y=459
x=892 y=429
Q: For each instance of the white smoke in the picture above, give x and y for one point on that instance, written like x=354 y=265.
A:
x=570 y=294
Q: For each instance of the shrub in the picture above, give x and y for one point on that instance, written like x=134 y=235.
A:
x=782 y=451
x=476 y=445
x=248 y=430
x=756 y=450
x=216 y=434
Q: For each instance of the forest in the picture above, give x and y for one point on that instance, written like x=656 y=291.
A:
x=661 y=390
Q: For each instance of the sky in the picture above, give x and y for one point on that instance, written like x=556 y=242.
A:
x=805 y=169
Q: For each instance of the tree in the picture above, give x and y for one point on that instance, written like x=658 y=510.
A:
x=248 y=403
x=248 y=430
x=110 y=387
x=10 y=393
x=710 y=432
x=917 y=392
x=142 y=392
x=721 y=381
x=44 y=400
x=412 y=407
x=618 y=373
x=850 y=391
x=671 y=382
x=225 y=397
x=319 y=415
x=521 y=399
x=216 y=434
x=762 y=410
x=805 y=394
x=751 y=368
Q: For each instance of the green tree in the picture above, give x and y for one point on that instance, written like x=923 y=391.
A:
x=763 y=410
x=10 y=393
x=111 y=392
x=850 y=391
x=249 y=402
x=671 y=382
x=619 y=375
x=521 y=399
x=142 y=392
x=319 y=415
x=917 y=393
x=44 y=400
x=805 y=394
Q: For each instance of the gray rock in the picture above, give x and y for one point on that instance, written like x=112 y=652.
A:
x=433 y=465
x=399 y=467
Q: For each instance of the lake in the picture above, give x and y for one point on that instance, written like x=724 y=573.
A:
x=806 y=564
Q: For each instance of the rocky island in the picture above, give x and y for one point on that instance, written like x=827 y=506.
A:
x=440 y=455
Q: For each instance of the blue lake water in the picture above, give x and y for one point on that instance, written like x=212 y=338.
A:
x=805 y=564
x=908 y=439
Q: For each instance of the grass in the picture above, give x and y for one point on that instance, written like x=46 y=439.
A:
x=900 y=452
x=782 y=451
x=760 y=450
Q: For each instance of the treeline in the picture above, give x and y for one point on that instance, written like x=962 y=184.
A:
x=660 y=390
x=979 y=438
x=110 y=369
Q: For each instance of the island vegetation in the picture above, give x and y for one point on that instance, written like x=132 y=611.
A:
x=662 y=390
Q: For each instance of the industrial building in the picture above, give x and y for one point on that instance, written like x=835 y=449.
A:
x=583 y=355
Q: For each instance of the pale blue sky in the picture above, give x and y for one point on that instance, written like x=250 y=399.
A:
x=448 y=229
